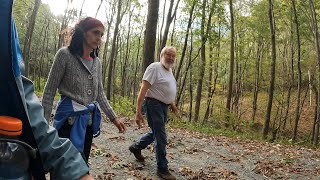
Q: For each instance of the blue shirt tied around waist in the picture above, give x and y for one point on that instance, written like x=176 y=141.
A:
x=68 y=108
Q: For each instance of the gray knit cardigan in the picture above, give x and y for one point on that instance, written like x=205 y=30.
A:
x=71 y=77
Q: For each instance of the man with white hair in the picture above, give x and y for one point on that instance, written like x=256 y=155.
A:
x=157 y=93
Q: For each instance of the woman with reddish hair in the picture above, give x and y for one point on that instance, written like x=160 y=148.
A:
x=76 y=74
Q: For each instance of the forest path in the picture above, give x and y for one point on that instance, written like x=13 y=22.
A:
x=192 y=155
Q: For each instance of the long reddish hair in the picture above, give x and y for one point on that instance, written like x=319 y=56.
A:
x=77 y=40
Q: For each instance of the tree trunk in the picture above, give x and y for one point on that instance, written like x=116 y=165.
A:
x=316 y=41
x=28 y=37
x=81 y=8
x=256 y=80
x=98 y=8
x=150 y=33
x=161 y=28
x=190 y=83
x=169 y=19
x=231 y=65
x=113 y=51
x=177 y=74
x=202 y=64
x=64 y=25
x=126 y=59
x=137 y=65
x=273 y=72
x=297 y=113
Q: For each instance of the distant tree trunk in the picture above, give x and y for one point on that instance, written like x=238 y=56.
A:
x=190 y=82
x=297 y=113
x=316 y=40
x=137 y=65
x=202 y=63
x=236 y=89
x=41 y=61
x=177 y=75
x=105 y=51
x=150 y=33
x=257 y=75
x=273 y=72
x=172 y=33
x=204 y=37
x=162 y=24
x=292 y=79
x=315 y=127
x=126 y=59
x=212 y=86
x=106 y=45
x=81 y=8
x=170 y=17
x=64 y=25
x=98 y=8
x=182 y=84
x=210 y=71
x=231 y=66
x=113 y=51
x=28 y=37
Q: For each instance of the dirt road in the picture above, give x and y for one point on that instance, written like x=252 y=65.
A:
x=192 y=155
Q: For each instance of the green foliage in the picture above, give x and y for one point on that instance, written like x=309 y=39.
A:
x=123 y=106
x=210 y=128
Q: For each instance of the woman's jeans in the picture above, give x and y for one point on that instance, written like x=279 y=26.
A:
x=156 y=112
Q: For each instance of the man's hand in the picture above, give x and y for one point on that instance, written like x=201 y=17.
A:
x=139 y=119
x=119 y=124
x=174 y=108
x=86 y=177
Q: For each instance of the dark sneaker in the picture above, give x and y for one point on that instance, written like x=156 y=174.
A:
x=137 y=153
x=166 y=176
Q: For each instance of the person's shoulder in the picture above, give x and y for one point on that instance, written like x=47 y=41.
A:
x=63 y=50
x=154 y=65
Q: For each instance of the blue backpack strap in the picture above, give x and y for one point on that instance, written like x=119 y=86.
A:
x=11 y=103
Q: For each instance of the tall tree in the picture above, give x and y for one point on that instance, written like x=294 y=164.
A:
x=150 y=33
x=169 y=19
x=231 y=65
x=114 y=49
x=101 y=1
x=109 y=18
x=297 y=113
x=183 y=52
x=204 y=37
x=317 y=46
x=64 y=24
x=257 y=75
x=80 y=13
x=273 y=71
x=28 y=37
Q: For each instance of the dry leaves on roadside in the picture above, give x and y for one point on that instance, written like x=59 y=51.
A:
x=213 y=173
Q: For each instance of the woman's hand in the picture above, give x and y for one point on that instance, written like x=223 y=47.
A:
x=120 y=125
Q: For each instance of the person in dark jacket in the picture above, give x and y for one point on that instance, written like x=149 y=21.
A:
x=18 y=100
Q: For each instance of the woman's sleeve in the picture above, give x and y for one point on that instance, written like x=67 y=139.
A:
x=55 y=75
x=102 y=99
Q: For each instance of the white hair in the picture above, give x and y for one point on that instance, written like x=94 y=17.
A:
x=166 y=48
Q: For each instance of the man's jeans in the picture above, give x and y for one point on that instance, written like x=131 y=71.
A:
x=156 y=112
